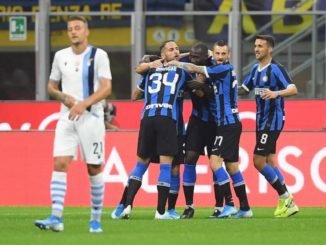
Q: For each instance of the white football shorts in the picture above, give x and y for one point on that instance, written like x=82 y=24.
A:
x=88 y=132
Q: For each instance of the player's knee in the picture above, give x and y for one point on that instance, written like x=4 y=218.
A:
x=232 y=168
x=259 y=162
x=94 y=169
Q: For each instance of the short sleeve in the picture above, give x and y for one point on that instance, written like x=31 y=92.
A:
x=55 y=74
x=103 y=65
x=283 y=78
x=248 y=83
x=141 y=84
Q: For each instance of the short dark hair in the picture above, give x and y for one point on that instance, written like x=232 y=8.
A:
x=200 y=47
x=78 y=17
x=164 y=43
x=221 y=43
x=268 y=38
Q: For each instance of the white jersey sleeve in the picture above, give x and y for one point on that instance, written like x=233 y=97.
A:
x=103 y=65
x=55 y=74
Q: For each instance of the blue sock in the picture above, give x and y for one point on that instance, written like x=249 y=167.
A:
x=189 y=175
x=269 y=174
x=237 y=179
x=214 y=179
x=175 y=184
x=164 y=179
x=222 y=176
x=138 y=172
x=279 y=175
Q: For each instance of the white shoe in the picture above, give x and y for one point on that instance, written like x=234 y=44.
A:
x=166 y=215
x=126 y=212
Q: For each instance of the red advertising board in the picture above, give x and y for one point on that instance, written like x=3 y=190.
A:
x=300 y=114
x=27 y=164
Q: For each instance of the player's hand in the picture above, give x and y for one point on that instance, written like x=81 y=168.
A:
x=69 y=101
x=268 y=94
x=194 y=84
x=155 y=64
x=77 y=110
x=146 y=58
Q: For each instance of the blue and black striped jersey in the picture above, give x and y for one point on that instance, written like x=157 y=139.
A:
x=200 y=105
x=224 y=107
x=163 y=91
x=270 y=113
x=181 y=130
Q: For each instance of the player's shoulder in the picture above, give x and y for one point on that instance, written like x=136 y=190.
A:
x=254 y=66
x=63 y=52
x=100 y=51
x=276 y=66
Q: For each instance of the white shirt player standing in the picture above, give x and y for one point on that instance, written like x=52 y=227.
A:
x=85 y=76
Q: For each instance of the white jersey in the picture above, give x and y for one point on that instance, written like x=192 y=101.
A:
x=73 y=70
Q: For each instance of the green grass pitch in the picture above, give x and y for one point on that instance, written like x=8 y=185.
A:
x=306 y=227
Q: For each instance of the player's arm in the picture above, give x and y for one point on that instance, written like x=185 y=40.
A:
x=148 y=62
x=242 y=91
x=201 y=89
x=111 y=126
x=101 y=93
x=54 y=82
x=289 y=91
x=183 y=55
x=55 y=93
x=189 y=67
x=137 y=94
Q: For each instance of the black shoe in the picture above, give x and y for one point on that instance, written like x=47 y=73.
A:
x=188 y=213
x=215 y=214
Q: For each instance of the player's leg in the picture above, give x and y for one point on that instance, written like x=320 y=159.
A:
x=222 y=150
x=58 y=188
x=91 y=132
x=195 y=143
x=135 y=179
x=267 y=171
x=116 y=213
x=97 y=189
x=175 y=177
x=293 y=208
x=219 y=200
x=189 y=180
x=230 y=152
x=64 y=150
x=265 y=143
x=145 y=149
x=134 y=183
x=223 y=181
x=167 y=147
x=271 y=142
x=239 y=187
x=164 y=182
x=174 y=191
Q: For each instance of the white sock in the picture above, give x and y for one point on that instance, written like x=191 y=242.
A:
x=285 y=195
x=58 y=188
x=97 y=195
